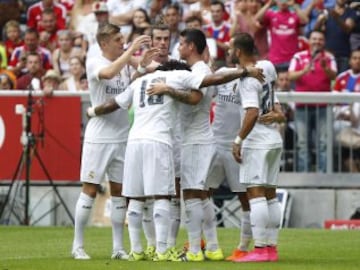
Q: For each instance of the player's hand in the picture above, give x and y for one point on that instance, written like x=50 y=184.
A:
x=148 y=56
x=269 y=118
x=140 y=41
x=158 y=88
x=236 y=151
x=256 y=73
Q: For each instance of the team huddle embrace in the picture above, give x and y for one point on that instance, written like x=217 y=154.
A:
x=172 y=149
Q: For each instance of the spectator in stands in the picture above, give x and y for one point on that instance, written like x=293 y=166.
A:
x=48 y=37
x=61 y=56
x=34 y=70
x=35 y=13
x=287 y=128
x=156 y=7
x=6 y=82
x=220 y=31
x=355 y=35
x=312 y=70
x=101 y=12
x=347 y=116
x=12 y=37
x=51 y=82
x=201 y=8
x=3 y=57
x=173 y=21
x=139 y=26
x=84 y=84
x=122 y=12
x=77 y=68
x=337 y=23
x=81 y=14
x=283 y=24
x=245 y=22
x=312 y=9
x=31 y=44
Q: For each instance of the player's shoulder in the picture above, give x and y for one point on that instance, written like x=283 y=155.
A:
x=268 y=69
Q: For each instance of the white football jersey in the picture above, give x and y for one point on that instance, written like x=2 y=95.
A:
x=113 y=127
x=195 y=119
x=262 y=96
x=155 y=116
x=227 y=118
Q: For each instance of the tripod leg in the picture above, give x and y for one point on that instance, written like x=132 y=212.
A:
x=16 y=175
x=53 y=185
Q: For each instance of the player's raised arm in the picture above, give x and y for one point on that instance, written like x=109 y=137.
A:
x=225 y=77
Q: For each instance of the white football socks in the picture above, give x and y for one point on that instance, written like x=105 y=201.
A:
x=82 y=214
x=118 y=214
x=259 y=218
x=245 y=233
x=148 y=222
x=161 y=221
x=134 y=215
x=175 y=219
x=274 y=221
x=194 y=217
x=209 y=226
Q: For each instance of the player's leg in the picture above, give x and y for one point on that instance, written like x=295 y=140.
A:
x=115 y=173
x=133 y=188
x=149 y=228
x=253 y=173
x=159 y=182
x=92 y=172
x=273 y=203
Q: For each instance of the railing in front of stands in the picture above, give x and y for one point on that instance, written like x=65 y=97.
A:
x=334 y=151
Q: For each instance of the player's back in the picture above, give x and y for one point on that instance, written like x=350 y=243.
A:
x=155 y=116
x=261 y=136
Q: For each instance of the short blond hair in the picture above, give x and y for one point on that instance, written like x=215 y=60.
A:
x=12 y=23
x=106 y=31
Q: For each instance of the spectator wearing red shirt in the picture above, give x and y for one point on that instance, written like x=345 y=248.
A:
x=312 y=70
x=13 y=37
x=18 y=57
x=48 y=37
x=284 y=24
x=35 y=12
x=220 y=31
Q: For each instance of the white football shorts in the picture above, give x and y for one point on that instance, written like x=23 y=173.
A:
x=149 y=169
x=196 y=160
x=260 y=167
x=225 y=168
x=100 y=159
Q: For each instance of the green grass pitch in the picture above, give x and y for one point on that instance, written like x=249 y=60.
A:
x=41 y=248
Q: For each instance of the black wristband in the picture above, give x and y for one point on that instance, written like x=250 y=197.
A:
x=245 y=73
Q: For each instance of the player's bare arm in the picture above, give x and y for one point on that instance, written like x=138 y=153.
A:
x=105 y=108
x=115 y=67
x=250 y=118
x=143 y=62
x=191 y=97
x=225 y=77
x=274 y=116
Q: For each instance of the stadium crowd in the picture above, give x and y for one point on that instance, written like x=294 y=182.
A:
x=313 y=43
